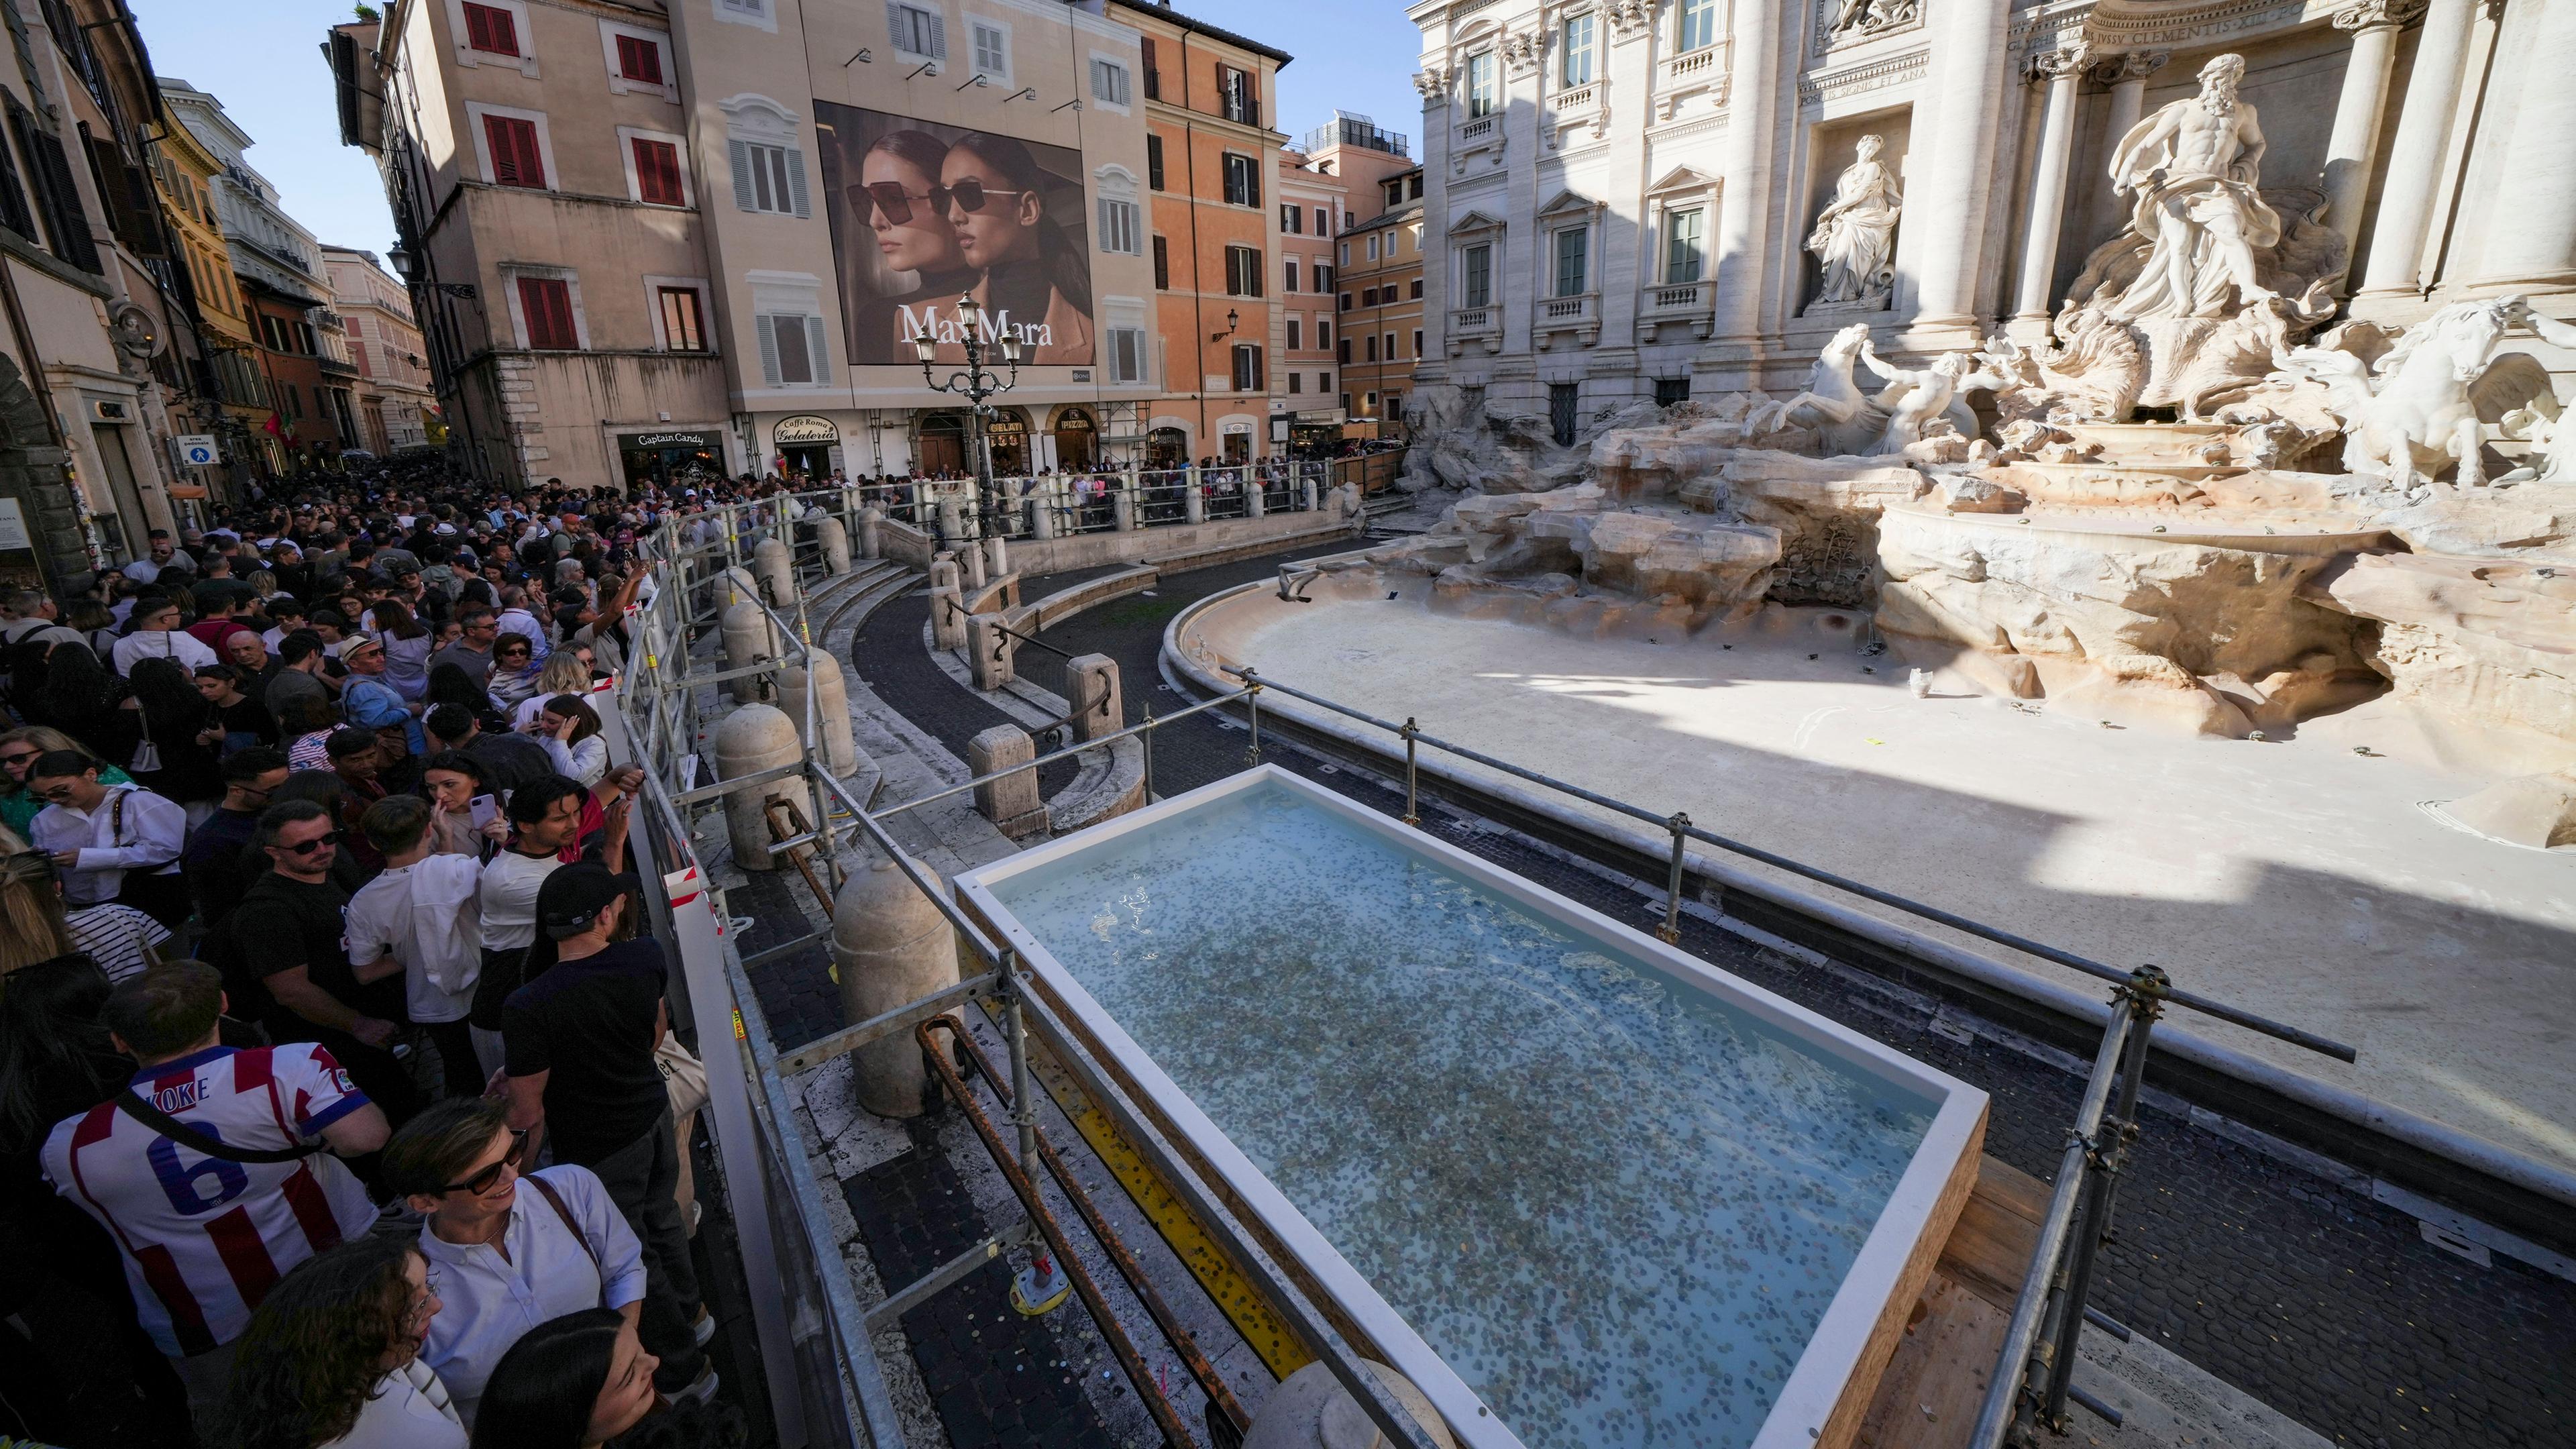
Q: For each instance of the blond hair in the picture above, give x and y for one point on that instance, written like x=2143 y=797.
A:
x=31 y=912
x=564 y=674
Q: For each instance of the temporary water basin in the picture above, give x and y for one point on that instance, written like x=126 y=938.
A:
x=1579 y=1186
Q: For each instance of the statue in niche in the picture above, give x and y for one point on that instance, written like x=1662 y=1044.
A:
x=1855 y=235
x=2194 y=167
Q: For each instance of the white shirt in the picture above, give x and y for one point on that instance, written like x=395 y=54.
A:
x=146 y=833
x=161 y=644
x=488 y=1302
x=508 y=898
x=384 y=918
x=411 y=1410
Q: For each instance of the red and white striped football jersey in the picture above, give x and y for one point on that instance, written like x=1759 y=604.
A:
x=204 y=1238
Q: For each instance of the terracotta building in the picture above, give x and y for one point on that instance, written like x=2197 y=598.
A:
x=1313 y=204
x=394 y=402
x=1377 y=264
x=186 y=172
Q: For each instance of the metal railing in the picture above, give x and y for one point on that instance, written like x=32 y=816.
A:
x=1059 y=505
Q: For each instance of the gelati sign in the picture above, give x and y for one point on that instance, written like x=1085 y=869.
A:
x=804 y=428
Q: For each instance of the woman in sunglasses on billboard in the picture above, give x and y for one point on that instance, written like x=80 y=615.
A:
x=1034 y=276
x=899 y=198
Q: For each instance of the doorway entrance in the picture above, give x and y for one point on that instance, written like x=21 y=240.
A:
x=1008 y=436
x=939 y=450
x=1076 y=441
x=803 y=446
x=1167 y=448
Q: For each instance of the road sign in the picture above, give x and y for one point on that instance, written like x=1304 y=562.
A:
x=197 y=450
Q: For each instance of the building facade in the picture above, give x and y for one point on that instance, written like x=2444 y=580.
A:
x=186 y=171
x=1626 y=200
x=394 y=404
x=1380 y=296
x=1312 y=203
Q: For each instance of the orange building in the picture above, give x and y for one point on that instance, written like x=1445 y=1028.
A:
x=1209 y=108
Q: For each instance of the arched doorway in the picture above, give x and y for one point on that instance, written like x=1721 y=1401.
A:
x=939 y=449
x=1076 y=441
x=1167 y=448
x=1008 y=436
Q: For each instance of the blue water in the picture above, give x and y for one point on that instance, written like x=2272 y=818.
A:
x=1614 y=1205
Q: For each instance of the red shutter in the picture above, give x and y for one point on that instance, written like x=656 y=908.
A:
x=515 y=158
x=547 y=304
x=492 y=30
x=639 y=60
x=657 y=173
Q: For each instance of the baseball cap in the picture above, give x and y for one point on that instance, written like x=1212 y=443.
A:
x=573 y=896
x=348 y=648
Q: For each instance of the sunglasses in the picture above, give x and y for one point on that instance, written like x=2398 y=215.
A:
x=19 y=759
x=316 y=843
x=485 y=1180
x=895 y=203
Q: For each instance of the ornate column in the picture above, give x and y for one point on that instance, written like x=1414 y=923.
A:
x=2534 y=239
x=1744 y=208
x=2354 y=142
x=1968 y=56
x=2060 y=69
x=2126 y=75
x=2415 y=158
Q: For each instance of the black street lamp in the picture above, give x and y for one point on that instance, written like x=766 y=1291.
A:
x=977 y=384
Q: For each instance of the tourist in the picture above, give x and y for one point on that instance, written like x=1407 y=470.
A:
x=467 y=819
x=568 y=729
x=505 y=1260
x=148 y=1167
x=514 y=672
x=307 y=725
x=566 y=671
x=238 y=721
x=509 y=761
x=35 y=925
x=331 y=1360
x=421 y=914
x=112 y=842
x=79 y=692
x=367 y=699
x=303 y=673
x=19 y=750
x=472 y=652
x=408 y=645
x=170 y=755
x=156 y=635
x=585 y=1380
x=545 y=818
x=213 y=863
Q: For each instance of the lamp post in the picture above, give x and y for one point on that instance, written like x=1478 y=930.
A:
x=978 y=384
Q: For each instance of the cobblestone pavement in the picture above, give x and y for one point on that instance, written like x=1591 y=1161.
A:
x=2324 y=1304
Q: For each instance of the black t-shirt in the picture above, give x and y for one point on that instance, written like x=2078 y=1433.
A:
x=246 y=722
x=590 y=1023
x=215 y=868
x=282 y=924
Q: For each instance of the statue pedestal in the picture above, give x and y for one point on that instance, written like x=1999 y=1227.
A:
x=1856 y=307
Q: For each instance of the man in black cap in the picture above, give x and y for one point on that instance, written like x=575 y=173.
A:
x=577 y=1043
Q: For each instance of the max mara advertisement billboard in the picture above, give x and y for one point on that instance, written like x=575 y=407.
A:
x=924 y=213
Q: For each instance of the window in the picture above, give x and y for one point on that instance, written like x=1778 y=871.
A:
x=1698 y=25
x=1323 y=222
x=1346 y=397
x=1108 y=82
x=1577 y=51
x=490 y=29
x=1292 y=334
x=1346 y=254
x=1372 y=246
x=1237 y=97
x=1345 y=302
x=1153 y=77
x=792 y=353
x=1323 y=277
x=1162 y=265
x=1476 y=276
x=1417 y=342
x=1390 y=347
x=1324 y=383
x=768 y=178
x=1415 y=291
x=517 y=160
x=992 y=49
x=1482 y=96
x=1242 y=271
x=1372 y=348
x=1395 y=193
x=1249 y=375
x=1572 y=248
x=1344 y=355
x=1369 y=398
x=756 y=11
x=14 y=212
x=1563 y=400
x=1395 y=404
x=546 y=304
x=1127 y=354
x=1368 y=296
x=1121 y=223
x=1670 y=390
x=639 y=59
x=1154 y=162
x=1292 y=218
x=917 y=31
x=1242 y=179
x=1323 y=332
x=1685 y=255
x=657 y=173
x=1295 y=378
x=1291 y=279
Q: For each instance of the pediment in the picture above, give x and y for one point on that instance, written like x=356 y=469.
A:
x=1475 y=221
x=1568 y=203
x=1683 y=178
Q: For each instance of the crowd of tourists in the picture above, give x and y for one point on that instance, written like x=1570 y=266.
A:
x=339 y=1103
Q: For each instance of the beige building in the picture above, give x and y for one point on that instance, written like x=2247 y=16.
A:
x=1313 y=204
x=394 y=403
x=548 y=207
x=1380 y=296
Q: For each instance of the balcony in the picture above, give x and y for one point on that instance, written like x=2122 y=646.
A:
x=1579 y=314
x=1475 y=324
x=1697 y=77
x=1477 y=129
x=1676 y=303
x=1575 y=100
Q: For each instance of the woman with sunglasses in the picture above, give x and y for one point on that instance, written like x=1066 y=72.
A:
x=515 y=671
x=331 y=1359
x=18 y=750
x=505 y=1260
x=898 y=200
x=1033 y=274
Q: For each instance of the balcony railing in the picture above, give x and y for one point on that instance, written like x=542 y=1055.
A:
x=1567 y=314
x=1578 y=98
x=1698 y=62
x=1471 y=324
x=1690 y=302
x=1477 y=129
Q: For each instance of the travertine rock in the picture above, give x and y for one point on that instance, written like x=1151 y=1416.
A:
x=2492 y=640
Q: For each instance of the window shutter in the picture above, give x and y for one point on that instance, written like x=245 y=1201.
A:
x=739 y=154
x=818 y=352
x=938 y=35
x=1154 y=162
x=1162 y=265
x=768 y=331
x=796 y=179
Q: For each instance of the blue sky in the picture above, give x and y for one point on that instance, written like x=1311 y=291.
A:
x=264 y=61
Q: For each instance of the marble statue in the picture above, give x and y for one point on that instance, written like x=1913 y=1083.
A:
x=2541 y=421
x=2412 y=410
x=2194 y=167
x=1831 y=403
x=1916 y=398
x=1855 y=236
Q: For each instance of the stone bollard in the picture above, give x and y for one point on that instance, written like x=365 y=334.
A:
x=1091 y=687
x=831 y=710
x=733 y=586
x=835 y=541
x=1311 y=1410
x=989 y=652
x=1011 y=802
x=970 y=567
x=997 y=558
x=890 y=948
x=951 y=513
x=775 y=566
x=1042 y=517
x=754 y=738
x=1193 y=503
x=750 y=637
x=947 y=617
x=1254 y=505
x=943 y=572
x=1306 y=493
x=1122 y=509
x=871 y=533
